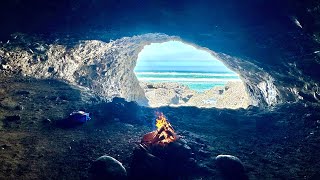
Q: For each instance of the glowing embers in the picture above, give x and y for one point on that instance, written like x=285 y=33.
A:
x=162 y=136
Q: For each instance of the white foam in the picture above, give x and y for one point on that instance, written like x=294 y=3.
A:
x=184 y=73
x=188 y=79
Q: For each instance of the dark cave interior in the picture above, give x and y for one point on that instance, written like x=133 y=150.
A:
x=61 y=56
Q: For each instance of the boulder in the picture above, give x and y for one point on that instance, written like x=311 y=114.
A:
x=107 y=168
x=230 y=167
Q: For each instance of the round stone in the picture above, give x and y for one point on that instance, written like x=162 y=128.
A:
x=231 y=167
x=107 y=168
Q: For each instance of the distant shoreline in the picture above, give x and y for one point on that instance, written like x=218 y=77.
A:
x=162 y=71
x=198 y=81
x=231 y=95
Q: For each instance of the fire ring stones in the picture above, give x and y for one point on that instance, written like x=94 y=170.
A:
x=106 y=167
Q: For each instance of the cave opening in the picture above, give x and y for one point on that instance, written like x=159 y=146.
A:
x=174 y=73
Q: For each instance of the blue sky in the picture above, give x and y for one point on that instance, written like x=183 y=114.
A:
x=177 y=56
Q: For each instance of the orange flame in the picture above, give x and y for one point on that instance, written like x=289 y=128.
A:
x=161 y=121
x=165 y=130
x=162 y=136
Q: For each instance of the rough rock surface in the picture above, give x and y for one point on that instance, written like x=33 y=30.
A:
x=104 y=68
x=233 y=95
x=107 y=68
x=164 y=94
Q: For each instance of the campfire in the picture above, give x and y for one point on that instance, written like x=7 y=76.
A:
x=162 y=136
x=163 y=154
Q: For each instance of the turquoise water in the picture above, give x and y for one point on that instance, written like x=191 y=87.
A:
x=199 y=81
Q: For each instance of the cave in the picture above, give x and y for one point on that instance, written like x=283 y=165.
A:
x=69 y=94
x=174 y=73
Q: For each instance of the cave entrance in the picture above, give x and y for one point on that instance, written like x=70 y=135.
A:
x=174 y=73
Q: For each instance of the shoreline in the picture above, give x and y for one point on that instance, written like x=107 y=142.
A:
x=232 y=95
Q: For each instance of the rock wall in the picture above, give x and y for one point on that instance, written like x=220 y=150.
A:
x=107 y=68
x=104 y=68
x=259 y=83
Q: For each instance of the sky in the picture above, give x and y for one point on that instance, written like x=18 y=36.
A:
x=177 y=56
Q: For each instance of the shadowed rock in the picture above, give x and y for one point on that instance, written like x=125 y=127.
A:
x=106 y=167
x=231 y=167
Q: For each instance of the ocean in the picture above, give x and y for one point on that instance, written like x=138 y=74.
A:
x=199 y=81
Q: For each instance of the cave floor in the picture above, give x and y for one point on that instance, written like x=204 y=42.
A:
x=278 y=143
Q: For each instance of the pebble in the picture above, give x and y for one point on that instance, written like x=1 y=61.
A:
x=47 y=120
x=19 y=107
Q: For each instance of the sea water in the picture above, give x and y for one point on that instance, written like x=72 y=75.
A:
x=199 y=81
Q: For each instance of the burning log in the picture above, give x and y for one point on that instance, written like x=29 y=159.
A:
x=162 y=136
